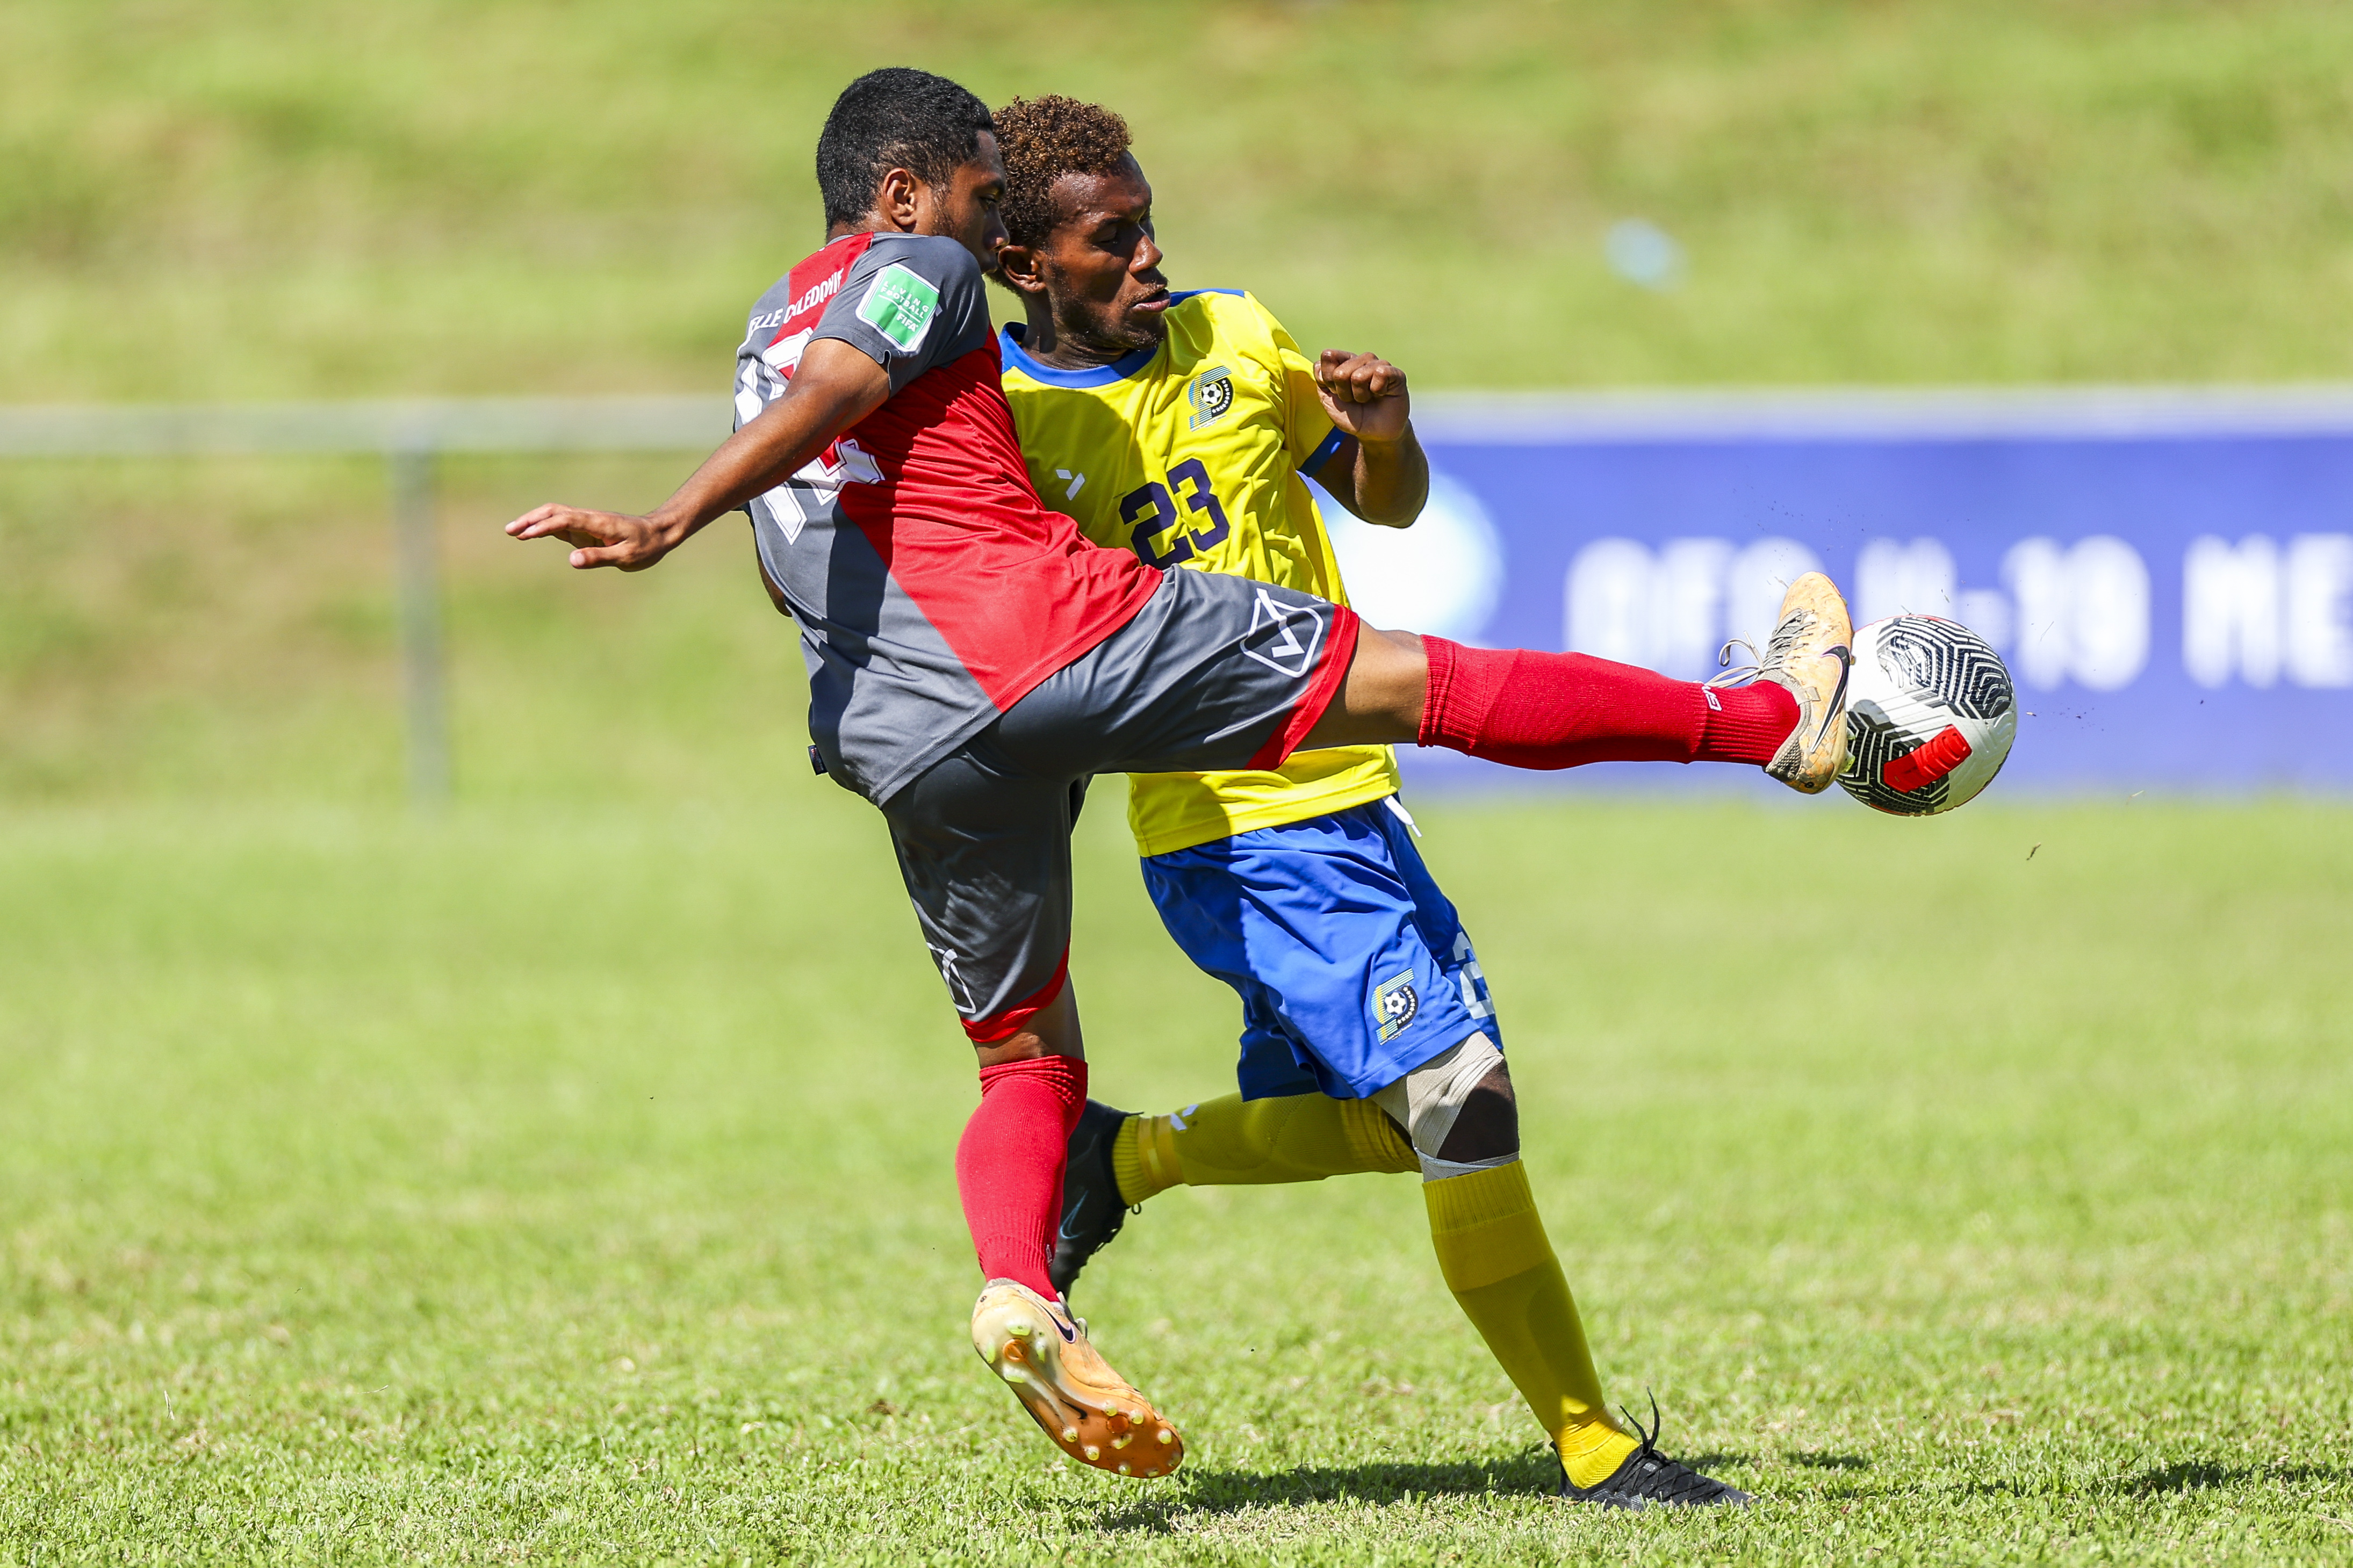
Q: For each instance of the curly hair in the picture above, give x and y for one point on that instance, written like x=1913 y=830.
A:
x=1042 y=140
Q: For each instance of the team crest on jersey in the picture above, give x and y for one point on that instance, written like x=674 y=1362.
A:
x=1211 y=392
x=1394 y=1005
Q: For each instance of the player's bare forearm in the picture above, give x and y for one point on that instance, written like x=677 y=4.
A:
x=834 y=388
x=1379 y=472
x=1388 y=481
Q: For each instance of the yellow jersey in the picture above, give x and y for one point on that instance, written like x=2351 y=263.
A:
x=1196 y=453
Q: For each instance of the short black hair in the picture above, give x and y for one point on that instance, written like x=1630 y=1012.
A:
x=895 y=118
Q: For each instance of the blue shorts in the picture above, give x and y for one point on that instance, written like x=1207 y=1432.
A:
x=1353 y=967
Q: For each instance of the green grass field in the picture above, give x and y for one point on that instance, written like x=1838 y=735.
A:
x=568 y=1177
x=572 y=1183
x=245 y=198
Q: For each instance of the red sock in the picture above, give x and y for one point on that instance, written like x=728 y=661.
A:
x=1566 y=709
x=1746 y=724
x=1009 y=1165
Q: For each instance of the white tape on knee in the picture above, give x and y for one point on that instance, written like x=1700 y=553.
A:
x=1428 y=1099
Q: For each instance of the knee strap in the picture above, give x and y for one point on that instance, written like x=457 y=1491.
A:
x=1458 y=1109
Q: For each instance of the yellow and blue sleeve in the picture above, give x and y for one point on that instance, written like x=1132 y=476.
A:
x=1308 y=429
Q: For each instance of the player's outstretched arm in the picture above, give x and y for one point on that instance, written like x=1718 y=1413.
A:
x=834 y=386
x=1379 y=472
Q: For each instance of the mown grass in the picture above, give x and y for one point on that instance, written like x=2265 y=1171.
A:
x=225 y=631
x=569 y=1176
x=573 y=1183
x=252 y=197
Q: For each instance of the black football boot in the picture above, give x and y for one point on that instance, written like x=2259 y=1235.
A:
x=1091 y=1210
x=1650 y=1479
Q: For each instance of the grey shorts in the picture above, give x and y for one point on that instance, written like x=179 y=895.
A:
x=1214 y=672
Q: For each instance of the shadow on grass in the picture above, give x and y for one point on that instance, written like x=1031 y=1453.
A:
x=1531 y=1474
x=1829 y=1461
x=2198 y=1476
x=2191 y=1476
x=1231 y=1491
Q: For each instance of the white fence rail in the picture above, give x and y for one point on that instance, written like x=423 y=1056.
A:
x=410 y=437
x=452 y=425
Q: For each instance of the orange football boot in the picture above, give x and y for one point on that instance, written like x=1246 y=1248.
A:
x=1808 y=655
x=1091 y=1412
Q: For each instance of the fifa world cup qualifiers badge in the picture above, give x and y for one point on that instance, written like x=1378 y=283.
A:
x=1394 y=1005
x=1211 y=392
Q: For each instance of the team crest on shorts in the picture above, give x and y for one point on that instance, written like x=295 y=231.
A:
x=1211 y=392
x=1394 y=1005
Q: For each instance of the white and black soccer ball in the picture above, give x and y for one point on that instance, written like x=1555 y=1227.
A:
x=1930 y=715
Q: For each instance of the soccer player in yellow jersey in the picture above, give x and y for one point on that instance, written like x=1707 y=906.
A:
x=1185 y=427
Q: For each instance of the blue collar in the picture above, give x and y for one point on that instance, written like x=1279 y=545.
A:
x=1119 y=369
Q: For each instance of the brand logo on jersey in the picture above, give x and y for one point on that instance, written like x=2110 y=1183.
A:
x=900 y=305
x=946 y=959
x=1211 y=392
x=1283 y=636
x=1394 y=1005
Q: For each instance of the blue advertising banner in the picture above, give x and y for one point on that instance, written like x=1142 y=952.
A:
x=2168 y=574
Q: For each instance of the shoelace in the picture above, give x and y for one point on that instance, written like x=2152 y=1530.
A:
x=1650 y=1448
x=1742 y=676
x=1784 y=636
x=1655 y=1475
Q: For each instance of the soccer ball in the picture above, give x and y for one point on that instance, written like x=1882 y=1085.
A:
x=1930 y=715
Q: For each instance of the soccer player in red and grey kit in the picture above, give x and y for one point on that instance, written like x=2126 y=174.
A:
x=972 y=661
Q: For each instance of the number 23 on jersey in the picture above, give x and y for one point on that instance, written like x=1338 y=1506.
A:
x=1168 y=528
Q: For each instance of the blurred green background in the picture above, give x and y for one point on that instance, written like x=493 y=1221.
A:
x=225 y=200
x=567 y=1175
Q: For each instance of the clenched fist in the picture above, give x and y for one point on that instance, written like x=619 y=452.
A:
x=1365 y=394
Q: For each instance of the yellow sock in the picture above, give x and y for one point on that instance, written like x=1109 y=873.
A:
x=1493 y=1249
x=1233 y=1141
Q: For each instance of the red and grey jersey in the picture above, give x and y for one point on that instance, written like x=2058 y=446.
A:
x=931 y=588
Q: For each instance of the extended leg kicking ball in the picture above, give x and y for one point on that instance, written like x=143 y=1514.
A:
x=1930 y=715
